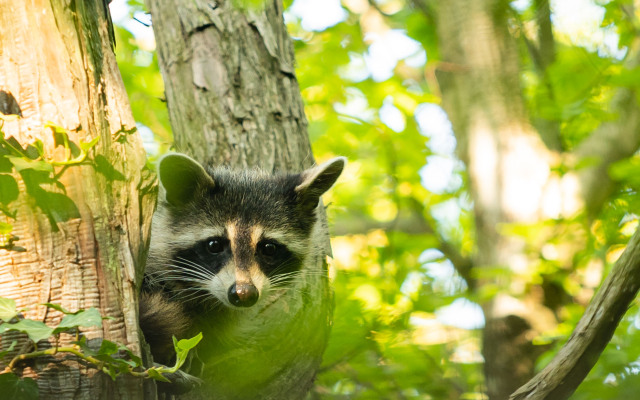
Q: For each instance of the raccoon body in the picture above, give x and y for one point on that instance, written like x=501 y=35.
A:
x=226 y=247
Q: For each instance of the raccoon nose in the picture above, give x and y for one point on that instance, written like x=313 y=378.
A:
x=243 y=295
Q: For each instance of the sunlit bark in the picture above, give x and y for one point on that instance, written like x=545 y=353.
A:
x=56 y=61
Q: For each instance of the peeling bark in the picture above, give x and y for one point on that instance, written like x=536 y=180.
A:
x=231 y=89
x=234 y=99
x=56 y=61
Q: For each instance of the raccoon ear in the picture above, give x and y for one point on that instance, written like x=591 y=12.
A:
x=180 y=176
x=317 y=180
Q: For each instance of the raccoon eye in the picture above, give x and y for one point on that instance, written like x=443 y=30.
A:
x=269 y=249
x=215 y=246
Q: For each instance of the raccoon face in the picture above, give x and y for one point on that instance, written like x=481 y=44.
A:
x=231 y=236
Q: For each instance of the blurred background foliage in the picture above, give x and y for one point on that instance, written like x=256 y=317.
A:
x=406 y=324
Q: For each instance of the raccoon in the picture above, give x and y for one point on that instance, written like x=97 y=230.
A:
x=225 y=246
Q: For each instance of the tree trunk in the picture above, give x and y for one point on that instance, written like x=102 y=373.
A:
x=508 y=167
x=234 y=99
x=511 y=172
x=85 y=226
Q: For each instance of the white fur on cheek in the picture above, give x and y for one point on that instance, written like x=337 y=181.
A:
x=220 y=283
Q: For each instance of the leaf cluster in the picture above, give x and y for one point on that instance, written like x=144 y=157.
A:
x=39 y=175
x=111 y=358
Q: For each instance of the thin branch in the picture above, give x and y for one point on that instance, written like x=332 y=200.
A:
x=546 y=42
x=567 y=370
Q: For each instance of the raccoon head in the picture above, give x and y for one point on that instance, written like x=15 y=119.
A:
x=229 y=236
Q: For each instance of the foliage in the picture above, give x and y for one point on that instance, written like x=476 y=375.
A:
x=401 y=214
x=111 y=358
x=41 y=180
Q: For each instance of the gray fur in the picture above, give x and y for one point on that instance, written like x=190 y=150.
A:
x=247 y=211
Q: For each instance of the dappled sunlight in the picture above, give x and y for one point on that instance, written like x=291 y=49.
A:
x=432 y=228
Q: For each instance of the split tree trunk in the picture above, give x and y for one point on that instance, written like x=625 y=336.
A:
x=57 y=62
x=234 y=99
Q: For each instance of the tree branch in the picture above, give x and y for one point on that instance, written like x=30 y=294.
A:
x=567 y=370
x=546 y=42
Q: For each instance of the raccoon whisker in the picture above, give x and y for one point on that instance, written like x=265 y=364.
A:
x=283 y=279
x=179 y=274
x=288 y=284
x=282 y=266
x=302 y=292
x=179 y=271
x=190 y=271
x=178 y=277
x=190 y=294
x=285 y=283
x=295 y=276
x=184 y=274
x=214 y=305
x=298 y=272
x=190 y=289
x=194 y=268
x=196 y=297
x=183 y=263
x=192 y=264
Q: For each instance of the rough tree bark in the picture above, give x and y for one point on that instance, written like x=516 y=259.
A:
x=510 y=165
x=562 y=376
x=234 y=99
x=57 y=64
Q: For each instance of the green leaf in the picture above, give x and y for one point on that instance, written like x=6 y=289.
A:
x=15 y=388
x=21 y=163
x=111 y=371
x=7 y=308
x=12 y=146
x=58 y=307
x=57 y=129
x=154 y=374
x=5 y=228
x=5 y=164
x=86 y=146
x=108 y=347
x=82 y=342
x=104 y=167
x=9 y=349
x=59 y=206
x=187 y=344
x=8 y=189
x=39 y=147
x=88 y=317
x=36 y=330
x=8 y=117
x=134 y=358
x=182 y=348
